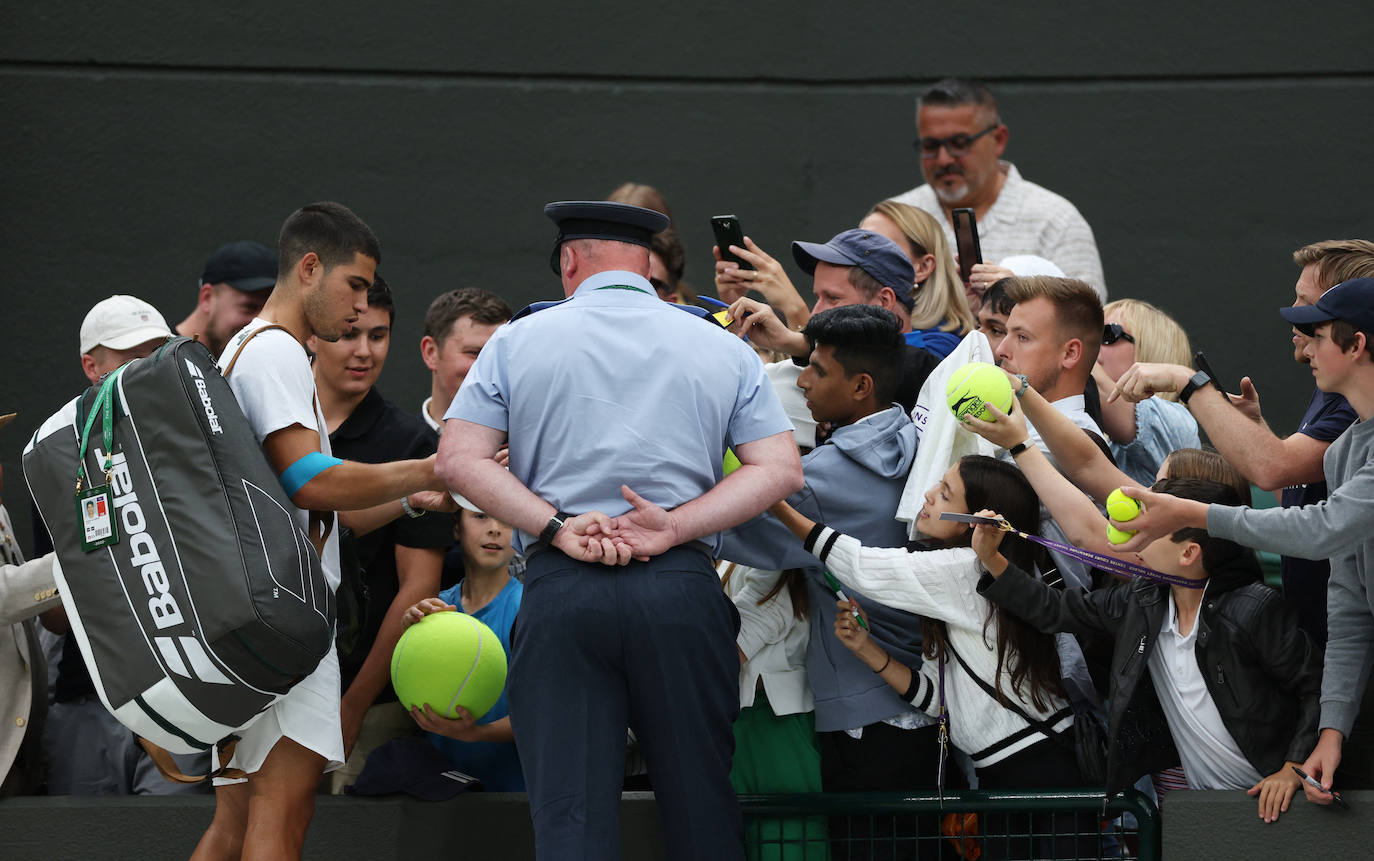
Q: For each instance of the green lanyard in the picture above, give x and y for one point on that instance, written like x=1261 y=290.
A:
x=624 y=287
x=104 y=400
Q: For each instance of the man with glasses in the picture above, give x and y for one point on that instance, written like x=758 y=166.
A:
x=960 y=140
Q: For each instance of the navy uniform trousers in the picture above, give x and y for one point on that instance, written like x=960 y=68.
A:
x=650 y=645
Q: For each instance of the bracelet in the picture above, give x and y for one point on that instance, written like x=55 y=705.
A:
x=879 y=671
x=1018 y=448
x=1025 y=384
x=410 y=512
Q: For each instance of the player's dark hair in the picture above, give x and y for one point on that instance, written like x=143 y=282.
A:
x=481 y=305
x=329 y=229
x=866 y=340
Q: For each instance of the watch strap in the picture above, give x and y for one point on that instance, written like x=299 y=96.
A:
x=1200 y=379
x=551 y=528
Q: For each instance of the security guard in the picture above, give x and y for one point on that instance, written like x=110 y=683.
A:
x=613 y=388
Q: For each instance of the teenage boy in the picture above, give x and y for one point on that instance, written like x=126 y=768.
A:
x=1233 y=681
x=398 y=564
x=869 y=738
x=328 y=260
x=1340 y=329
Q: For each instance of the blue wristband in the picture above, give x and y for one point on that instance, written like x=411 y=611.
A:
x=298 y=474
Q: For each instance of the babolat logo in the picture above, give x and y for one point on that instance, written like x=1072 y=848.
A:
x=204 y=397
x=139 y=544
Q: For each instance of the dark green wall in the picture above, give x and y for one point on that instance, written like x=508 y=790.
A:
x=1202 y=144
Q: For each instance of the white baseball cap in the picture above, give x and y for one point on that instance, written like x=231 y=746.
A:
x=121 y=322
x=1030 y=264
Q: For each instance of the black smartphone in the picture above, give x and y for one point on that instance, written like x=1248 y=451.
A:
x=728 y=232
x=966 y=240
x=1200 y=364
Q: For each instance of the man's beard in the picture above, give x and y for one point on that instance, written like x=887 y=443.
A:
x=955 y=194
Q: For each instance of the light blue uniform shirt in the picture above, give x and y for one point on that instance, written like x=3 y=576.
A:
x=615 y=386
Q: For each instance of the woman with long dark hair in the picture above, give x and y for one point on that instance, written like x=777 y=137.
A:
x=1006 y=705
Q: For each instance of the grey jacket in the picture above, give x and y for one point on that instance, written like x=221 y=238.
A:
x=1342 y=529
x=853 y=484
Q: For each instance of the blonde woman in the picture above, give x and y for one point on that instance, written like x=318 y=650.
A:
x=1143 y=434
x=941 y=315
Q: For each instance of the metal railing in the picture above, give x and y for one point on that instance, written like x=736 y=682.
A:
x=1005 y=824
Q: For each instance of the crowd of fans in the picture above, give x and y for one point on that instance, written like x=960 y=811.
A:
x=869 y=626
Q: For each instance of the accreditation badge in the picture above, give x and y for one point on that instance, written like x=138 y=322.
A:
x=95 y=514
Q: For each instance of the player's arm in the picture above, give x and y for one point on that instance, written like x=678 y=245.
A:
x=418 y=571
x=322 y=484
x=1248 y=445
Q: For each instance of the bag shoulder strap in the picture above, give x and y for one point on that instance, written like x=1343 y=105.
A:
x=169 y=770
x=321 y=522
x=251 y=335
x=1040 y=725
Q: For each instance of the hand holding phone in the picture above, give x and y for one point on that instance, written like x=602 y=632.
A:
x=728 y=232
x=966 y=241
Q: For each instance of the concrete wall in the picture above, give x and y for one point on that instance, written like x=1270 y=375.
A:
x=1203 y=144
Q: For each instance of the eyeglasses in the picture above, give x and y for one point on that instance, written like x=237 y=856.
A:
x=1112 y=332
x=957 y=145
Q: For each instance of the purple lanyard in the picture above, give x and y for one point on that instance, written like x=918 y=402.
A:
x=1099 y=560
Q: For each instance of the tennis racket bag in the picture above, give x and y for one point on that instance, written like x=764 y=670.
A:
x=201 y=602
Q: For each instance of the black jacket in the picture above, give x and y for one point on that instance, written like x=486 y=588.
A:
x=1262 y=671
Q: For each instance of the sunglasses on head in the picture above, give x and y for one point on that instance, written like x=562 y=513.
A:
x=1112 y=332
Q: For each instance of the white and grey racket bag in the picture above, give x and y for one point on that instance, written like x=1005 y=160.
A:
x=212 y=603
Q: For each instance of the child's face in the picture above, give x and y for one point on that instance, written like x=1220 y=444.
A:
x=1330 y=364
x=485 y=540
x=1181 y=558
x=948 y=495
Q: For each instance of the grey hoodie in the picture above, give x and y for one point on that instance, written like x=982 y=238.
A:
x=853 y=484
x=1342 y=529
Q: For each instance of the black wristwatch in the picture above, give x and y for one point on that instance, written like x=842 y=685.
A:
x=555 y=523
x=1199 y=380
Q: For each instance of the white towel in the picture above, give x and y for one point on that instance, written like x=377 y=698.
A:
x=941 y=440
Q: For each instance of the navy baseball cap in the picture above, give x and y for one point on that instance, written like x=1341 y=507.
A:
x=244 y=265
x=603 y=219
x=872 y=252
x=1351 y=301
x=412 y=765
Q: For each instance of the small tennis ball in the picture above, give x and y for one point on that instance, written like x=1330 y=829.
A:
x=973 y=386
x=449 y=659
x=1117 y=536
x=1122 y=507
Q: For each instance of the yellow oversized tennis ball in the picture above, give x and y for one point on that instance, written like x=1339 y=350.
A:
x=971 y=387
x=449 y=659
x=1121 y=508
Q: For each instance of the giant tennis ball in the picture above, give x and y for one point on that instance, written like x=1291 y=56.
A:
x=449 y=659
x=1121 y=508
x=973 y=386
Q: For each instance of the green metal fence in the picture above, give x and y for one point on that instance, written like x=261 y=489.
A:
x=1000 y=825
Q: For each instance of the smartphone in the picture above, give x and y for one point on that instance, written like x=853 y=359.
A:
x=728 y=232
x=1312 y=781
x=966 y=241
x=1200 y=364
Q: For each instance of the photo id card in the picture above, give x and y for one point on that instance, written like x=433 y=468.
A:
x=96 y=516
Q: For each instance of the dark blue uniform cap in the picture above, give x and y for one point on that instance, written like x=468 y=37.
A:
x=601 y=219
x=1351 y=301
